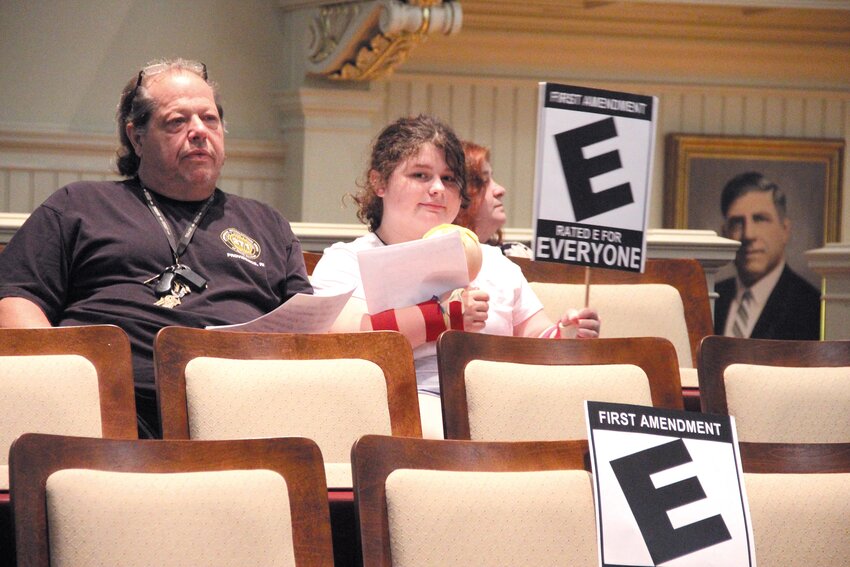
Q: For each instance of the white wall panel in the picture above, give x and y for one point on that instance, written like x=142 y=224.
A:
x=733 y=115
x=441 y=96
x=754 y=113
x=774 y=117
x=499 y=112
x=460 y=112
x=34 y=164
x=419 y=95
x=502 y=114
x=692 y=113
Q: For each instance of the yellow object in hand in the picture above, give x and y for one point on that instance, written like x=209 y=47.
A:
x=471 y=246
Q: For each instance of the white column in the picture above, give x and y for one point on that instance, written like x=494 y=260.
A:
x=832 y=263
x=328 y=132
x=327 y=126
x=713 y=252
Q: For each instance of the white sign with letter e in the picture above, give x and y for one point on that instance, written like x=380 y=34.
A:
x=668 y=488
x=592 y=181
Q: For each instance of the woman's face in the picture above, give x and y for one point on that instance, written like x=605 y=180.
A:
x=490 y=216
x=421 y=193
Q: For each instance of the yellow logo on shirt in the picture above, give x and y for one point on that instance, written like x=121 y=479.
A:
x=241 y=243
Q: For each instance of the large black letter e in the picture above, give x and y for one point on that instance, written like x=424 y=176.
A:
x=650 y=505
x=578 y=170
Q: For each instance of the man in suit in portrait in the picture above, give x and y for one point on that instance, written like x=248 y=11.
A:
x=766 y=299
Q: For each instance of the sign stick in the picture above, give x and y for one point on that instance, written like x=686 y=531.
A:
x=587 y=286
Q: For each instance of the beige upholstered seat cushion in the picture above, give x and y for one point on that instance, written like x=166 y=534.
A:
x=333 y=402
x=513 y=402
x=789 y=405
x=800 y=520
x=491 y=518
x=46 y=394
x=227 y=518
x=626 y=310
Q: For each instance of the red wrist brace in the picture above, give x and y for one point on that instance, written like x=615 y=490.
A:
x=434 y=323
x=384 y=321
x=456 y=315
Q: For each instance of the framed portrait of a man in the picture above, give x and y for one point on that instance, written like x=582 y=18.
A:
x=777 y=196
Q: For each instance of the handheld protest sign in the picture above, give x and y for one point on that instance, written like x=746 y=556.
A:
x=592 y=180
x=668 y=488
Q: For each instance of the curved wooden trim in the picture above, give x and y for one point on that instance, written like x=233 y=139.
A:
x=34 y=457
x=795 y=458
x=374 y=457
x=174 y=347
x=685 y=274
x=716 y=353
x=107 y=347
x=455 y=349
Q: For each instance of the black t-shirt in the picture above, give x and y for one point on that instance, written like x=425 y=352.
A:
x=84 y=254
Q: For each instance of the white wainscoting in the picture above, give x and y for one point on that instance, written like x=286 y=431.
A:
x=498 y=112
x=34 y=164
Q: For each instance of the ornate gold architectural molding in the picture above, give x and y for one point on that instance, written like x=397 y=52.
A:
x=362 y=41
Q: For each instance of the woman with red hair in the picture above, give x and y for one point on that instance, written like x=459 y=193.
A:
x=485 y=214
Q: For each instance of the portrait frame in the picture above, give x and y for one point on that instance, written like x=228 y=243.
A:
x=809 y=171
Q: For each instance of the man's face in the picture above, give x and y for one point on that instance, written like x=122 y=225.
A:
x=753 y=220
x=182 y=149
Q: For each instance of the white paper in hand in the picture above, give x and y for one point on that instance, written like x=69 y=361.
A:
x=405 y=274
x=302 y=313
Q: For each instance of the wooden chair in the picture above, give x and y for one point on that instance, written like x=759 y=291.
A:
x=65 y=380
x=497 y=388
x=310 y=260
x=437 y=502
x=85 y=501
x=648 y=310
x=799 y=500
x=331 y=388
x=778 y=391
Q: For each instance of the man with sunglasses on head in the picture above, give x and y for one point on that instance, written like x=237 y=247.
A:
x=162 y=247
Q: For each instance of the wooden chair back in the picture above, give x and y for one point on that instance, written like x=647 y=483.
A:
x=550 y=406
x=310 y=260
x=684 y=274
x=65 y=380
x=778 y=390
x=799 y=501
x=276 y=378
x=46 y=495
x=466 y=502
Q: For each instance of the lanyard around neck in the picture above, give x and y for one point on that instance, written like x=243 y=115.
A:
x=177 y=248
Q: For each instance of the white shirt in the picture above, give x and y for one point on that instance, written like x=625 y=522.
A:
x=511 y=299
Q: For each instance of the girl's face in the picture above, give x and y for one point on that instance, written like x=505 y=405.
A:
x=421 y=193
